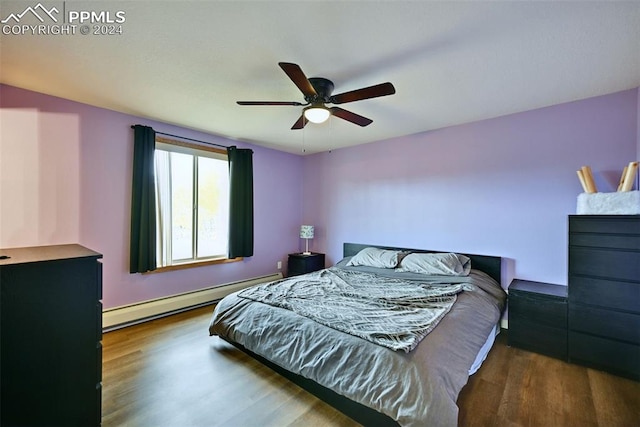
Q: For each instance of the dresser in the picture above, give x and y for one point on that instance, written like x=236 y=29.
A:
x=604 y=292
x=50 y=333
x=301 y=263
x=538 y=317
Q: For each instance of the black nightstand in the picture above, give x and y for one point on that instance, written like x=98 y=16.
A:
x=538 y=317
x=301 y=263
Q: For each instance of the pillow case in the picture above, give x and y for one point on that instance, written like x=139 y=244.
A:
x=436 y=264
x=375 y=257
x=344 y=264
x=395 y=273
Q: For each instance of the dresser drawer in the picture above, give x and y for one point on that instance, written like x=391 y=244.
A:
x=543 y=310
x=537 y=337
x=98 y=363
x=615 y=241
x=621 y=265
x=98 y=404
x=605 y=293
x=614 y=356
x=98 y=321
x=605 y=323
x=99 y=281
x=610 y=224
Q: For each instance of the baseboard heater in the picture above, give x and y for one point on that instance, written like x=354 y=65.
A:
x=120 y=317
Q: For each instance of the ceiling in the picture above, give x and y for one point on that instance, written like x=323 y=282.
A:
x=188 y=62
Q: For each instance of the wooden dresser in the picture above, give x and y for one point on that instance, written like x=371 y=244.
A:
x=50 y=333
x=604 y=292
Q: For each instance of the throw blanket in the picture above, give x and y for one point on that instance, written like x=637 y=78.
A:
x=393 y=313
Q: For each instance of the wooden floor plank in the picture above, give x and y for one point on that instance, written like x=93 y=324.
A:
x=169 y=372
x=615 y=402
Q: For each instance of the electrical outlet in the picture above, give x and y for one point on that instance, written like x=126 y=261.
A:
x=279 y=265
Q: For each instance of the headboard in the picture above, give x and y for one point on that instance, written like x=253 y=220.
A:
x=489 y=264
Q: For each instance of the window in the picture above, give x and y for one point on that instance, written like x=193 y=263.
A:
x=192 y=197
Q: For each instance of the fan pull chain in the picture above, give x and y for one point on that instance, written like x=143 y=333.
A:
x=331 y=132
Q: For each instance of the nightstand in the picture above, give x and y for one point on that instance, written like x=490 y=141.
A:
x=538 y=317
x=301 y=263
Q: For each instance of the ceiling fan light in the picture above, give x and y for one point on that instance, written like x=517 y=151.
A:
x=316 y=114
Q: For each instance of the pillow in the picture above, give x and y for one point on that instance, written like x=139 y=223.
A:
x=344 y=264
x=395 y=273
x=375 y=257
x=436 y=264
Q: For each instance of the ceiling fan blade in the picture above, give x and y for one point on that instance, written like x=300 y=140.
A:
x=350 y=117
x=302 y=121
x=270 y=103
x=375 y=91
x=297 y=76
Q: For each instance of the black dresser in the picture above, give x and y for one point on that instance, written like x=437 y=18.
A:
x=301 y=263
x=604 y=292
x=538 y=317
x=50 y=333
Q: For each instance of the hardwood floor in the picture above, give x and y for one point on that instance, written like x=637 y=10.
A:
x=169 y=372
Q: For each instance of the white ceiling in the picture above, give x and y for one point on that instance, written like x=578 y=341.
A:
x=187 y=62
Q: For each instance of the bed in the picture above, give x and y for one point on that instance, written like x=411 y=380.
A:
x=376 y=380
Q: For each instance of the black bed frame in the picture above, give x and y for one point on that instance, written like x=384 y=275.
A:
x=360 y=413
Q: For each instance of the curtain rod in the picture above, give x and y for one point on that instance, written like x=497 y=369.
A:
x=188 y=139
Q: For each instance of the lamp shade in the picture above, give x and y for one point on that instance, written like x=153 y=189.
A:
x=316 y=114
x=306 y=231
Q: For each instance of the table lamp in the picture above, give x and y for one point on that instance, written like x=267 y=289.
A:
x=306 y=232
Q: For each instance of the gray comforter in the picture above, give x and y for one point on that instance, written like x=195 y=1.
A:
x=390 y=312
x=417 y=388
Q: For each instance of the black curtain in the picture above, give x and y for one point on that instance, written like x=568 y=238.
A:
x=143 y=202
x=240 y=202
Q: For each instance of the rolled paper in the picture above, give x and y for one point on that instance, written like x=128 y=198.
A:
x=588 y=179
x=624 y=175
x=581 y=178
x=632 y=168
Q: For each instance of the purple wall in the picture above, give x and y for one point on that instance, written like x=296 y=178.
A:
x=638 y=120
x=500 y=187
x=105 y=150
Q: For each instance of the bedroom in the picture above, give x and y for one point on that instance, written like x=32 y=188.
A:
x=514 y=171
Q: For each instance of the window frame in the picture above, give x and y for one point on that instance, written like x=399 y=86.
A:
x=194 y=262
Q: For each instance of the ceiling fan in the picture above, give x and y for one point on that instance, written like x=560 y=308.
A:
x=317 y=93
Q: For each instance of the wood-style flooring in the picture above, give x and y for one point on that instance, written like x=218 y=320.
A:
x=169 y=372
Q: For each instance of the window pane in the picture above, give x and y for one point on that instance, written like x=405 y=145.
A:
x=163 y=207
x=213 y=202
x=181 y=205
x=193 y=211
